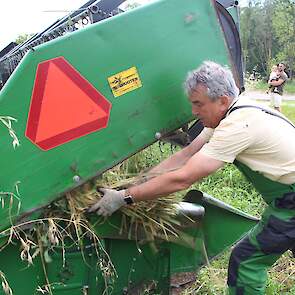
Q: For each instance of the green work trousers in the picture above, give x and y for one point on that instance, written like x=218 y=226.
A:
x=267 y=241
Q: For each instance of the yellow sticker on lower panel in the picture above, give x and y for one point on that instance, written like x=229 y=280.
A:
x=124 y=82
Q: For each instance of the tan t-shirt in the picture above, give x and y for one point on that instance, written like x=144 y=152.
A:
x=261 y=141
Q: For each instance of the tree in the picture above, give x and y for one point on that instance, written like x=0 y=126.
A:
x=257 y=39
x=268 y=34
x=284 y=30
x=22 y=38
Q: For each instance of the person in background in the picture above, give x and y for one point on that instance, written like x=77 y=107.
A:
x=259 y=142
x=276 y=92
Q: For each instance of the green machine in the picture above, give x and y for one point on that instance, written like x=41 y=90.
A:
x=87 y=101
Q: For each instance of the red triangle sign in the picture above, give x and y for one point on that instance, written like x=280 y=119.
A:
x=64 y=105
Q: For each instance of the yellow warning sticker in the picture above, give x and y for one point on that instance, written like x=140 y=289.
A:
x=124 y=82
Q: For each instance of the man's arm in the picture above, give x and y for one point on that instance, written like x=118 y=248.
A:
x=276 y=83
x=178 y=159
x=177 y=172
x=196 y=168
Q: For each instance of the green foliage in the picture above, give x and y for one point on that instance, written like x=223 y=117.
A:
x=147 y=158
x=22 y=38
x=211 y=280
x=257 y=38
x=230 y=186
x=284 y=30
x=288 y=110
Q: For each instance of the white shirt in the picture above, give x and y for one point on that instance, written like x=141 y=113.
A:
x=261 y=141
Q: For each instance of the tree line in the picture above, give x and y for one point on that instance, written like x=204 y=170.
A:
x=267 y=31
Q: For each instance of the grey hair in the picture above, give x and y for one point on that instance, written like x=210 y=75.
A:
x=217 y=79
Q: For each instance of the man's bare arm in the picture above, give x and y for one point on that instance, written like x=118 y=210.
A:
x=197 y=167
x=276 y=83
x=178 y=159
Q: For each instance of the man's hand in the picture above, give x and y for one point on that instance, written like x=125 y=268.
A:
x=109 y=203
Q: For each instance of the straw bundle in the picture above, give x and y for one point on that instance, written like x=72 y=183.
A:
x=145 y=220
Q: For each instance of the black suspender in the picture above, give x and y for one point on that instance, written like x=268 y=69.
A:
x=262 y=109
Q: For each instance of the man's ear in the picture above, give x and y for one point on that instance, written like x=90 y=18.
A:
x=225 y=101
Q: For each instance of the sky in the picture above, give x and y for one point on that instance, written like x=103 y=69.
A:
x=32 y=16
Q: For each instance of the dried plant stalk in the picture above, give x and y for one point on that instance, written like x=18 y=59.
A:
x=7 y=122
x=38 y=237
x=5 y=285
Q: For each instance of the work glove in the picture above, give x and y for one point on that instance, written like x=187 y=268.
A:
x=109 y=203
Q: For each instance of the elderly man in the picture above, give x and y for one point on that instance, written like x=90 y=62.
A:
x=260 y=142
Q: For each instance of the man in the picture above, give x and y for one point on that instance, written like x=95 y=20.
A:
x=260 y=144
x=276 y=92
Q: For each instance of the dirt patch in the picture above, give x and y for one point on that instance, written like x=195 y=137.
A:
x=181 y=281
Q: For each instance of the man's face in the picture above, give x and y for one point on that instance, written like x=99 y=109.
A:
x=208 y=111
x=281 y=67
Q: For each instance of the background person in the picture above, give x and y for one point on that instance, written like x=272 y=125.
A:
x=277 y=91
x=260 y=144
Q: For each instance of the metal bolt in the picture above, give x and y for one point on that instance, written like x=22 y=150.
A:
x=158 y=135
x=76 y=178
x=189 y=18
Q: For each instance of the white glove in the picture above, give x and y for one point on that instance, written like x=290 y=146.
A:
x=109 y=203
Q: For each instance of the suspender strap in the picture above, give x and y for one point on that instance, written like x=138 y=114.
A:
x=262 y=109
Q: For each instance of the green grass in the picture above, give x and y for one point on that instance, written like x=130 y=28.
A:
x=261 y=85
x=230 y=186
x=288 y=109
